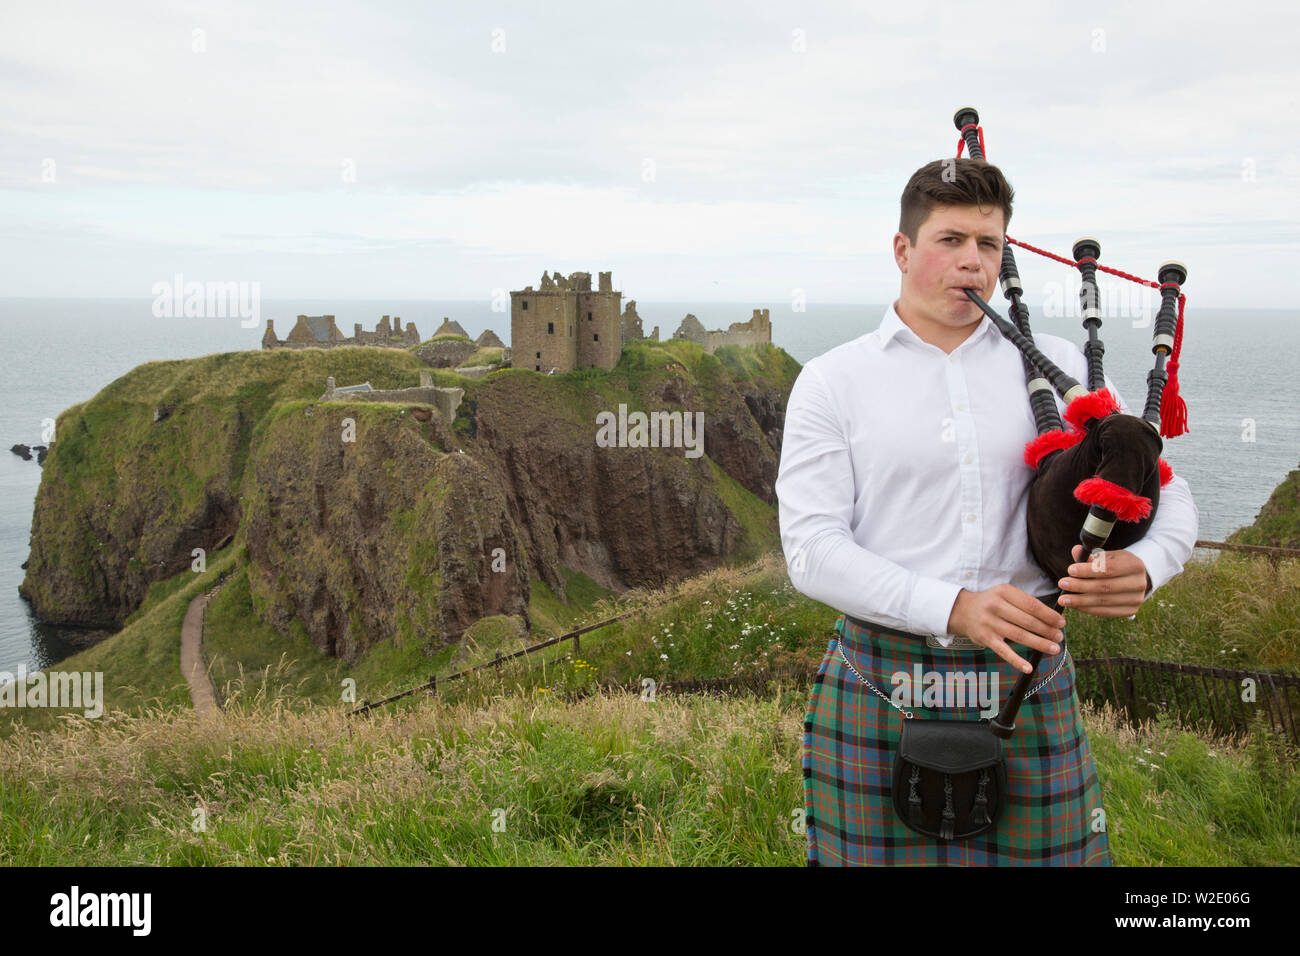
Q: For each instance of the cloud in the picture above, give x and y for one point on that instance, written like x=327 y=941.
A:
x=645 y=134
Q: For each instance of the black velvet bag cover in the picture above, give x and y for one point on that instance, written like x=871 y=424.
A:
x=950 y=778
x=1122 y=449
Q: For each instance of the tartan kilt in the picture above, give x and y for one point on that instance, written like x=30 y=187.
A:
x=850 y=736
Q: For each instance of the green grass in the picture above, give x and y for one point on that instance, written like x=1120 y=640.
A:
x=490 y=355
x=529 y=779
x=1232 y=611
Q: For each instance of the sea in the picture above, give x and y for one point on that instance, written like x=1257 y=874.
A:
x=1237 y=376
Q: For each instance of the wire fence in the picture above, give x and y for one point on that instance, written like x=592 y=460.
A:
x=1215 y=700
x=1274 y=555
x=431 y=684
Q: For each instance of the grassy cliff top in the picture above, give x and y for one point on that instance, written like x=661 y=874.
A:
x=273 y=374
x=1278 y=523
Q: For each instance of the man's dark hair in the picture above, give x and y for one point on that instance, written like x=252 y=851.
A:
x=952 y=182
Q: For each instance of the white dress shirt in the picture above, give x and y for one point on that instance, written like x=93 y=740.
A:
x=903 y=478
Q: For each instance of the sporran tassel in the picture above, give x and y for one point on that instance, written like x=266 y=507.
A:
x=979 y=814
x=914 y=814
x=946 y=828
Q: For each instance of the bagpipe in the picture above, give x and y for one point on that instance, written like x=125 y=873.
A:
x=1097 y=482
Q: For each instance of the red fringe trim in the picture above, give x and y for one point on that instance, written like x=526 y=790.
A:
x=1096 y=404
x=1126 y=505
x=1166 y=473
x=1048 y=442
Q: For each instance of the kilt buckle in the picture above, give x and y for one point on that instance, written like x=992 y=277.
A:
x=959 y=643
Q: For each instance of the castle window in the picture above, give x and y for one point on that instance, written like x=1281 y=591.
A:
x=524 y=304
x=550 y=328
x=596 y=337
x=537 y=368
x=539 y=354
x=588 y=316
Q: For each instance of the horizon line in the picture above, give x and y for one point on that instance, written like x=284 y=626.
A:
x=147 y=298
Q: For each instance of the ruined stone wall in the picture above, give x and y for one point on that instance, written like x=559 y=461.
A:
x=632 y=327
x=445 y=400
x=385 y=336
x=307 y=345
x=757 y=331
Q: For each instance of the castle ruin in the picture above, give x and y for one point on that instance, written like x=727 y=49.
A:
x=562 y=325
x=565 y=325
x=319 y=331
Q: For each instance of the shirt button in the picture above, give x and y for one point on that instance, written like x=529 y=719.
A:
x=961 y=406
x=969 y=459
x=970 y=517
x=970 y=574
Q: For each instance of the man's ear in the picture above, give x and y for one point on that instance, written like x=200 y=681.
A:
x=901 y=251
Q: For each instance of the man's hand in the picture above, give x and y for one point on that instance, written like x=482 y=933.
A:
x=1113 y=584
x=1006 y=613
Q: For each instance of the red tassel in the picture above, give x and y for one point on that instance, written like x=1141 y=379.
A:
x=1166 y=473
x=1048 y=442
x=1126 y=505
x=1173 y=410
x=1096 y=404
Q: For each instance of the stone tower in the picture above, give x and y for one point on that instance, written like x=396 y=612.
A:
x=565 y=324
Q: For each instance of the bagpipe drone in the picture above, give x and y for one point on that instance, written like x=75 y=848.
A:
x=1097 y=482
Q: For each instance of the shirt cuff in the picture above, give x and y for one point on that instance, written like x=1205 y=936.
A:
x=1160 y=568
x=931 y=605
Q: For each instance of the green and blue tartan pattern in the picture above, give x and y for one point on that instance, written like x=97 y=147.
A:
x=849 y=740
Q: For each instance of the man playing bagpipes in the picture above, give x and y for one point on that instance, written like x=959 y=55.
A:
x=903 y=490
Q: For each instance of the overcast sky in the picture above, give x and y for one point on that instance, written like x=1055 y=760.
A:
x=702 y=151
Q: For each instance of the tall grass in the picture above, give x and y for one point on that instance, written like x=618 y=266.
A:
x=526 y=778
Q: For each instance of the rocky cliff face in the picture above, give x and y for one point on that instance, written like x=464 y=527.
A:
x=624 y=516
x=124 y=501
x=361 y=525
x=408 y=527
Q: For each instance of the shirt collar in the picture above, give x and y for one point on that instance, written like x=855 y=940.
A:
x=892 y=325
